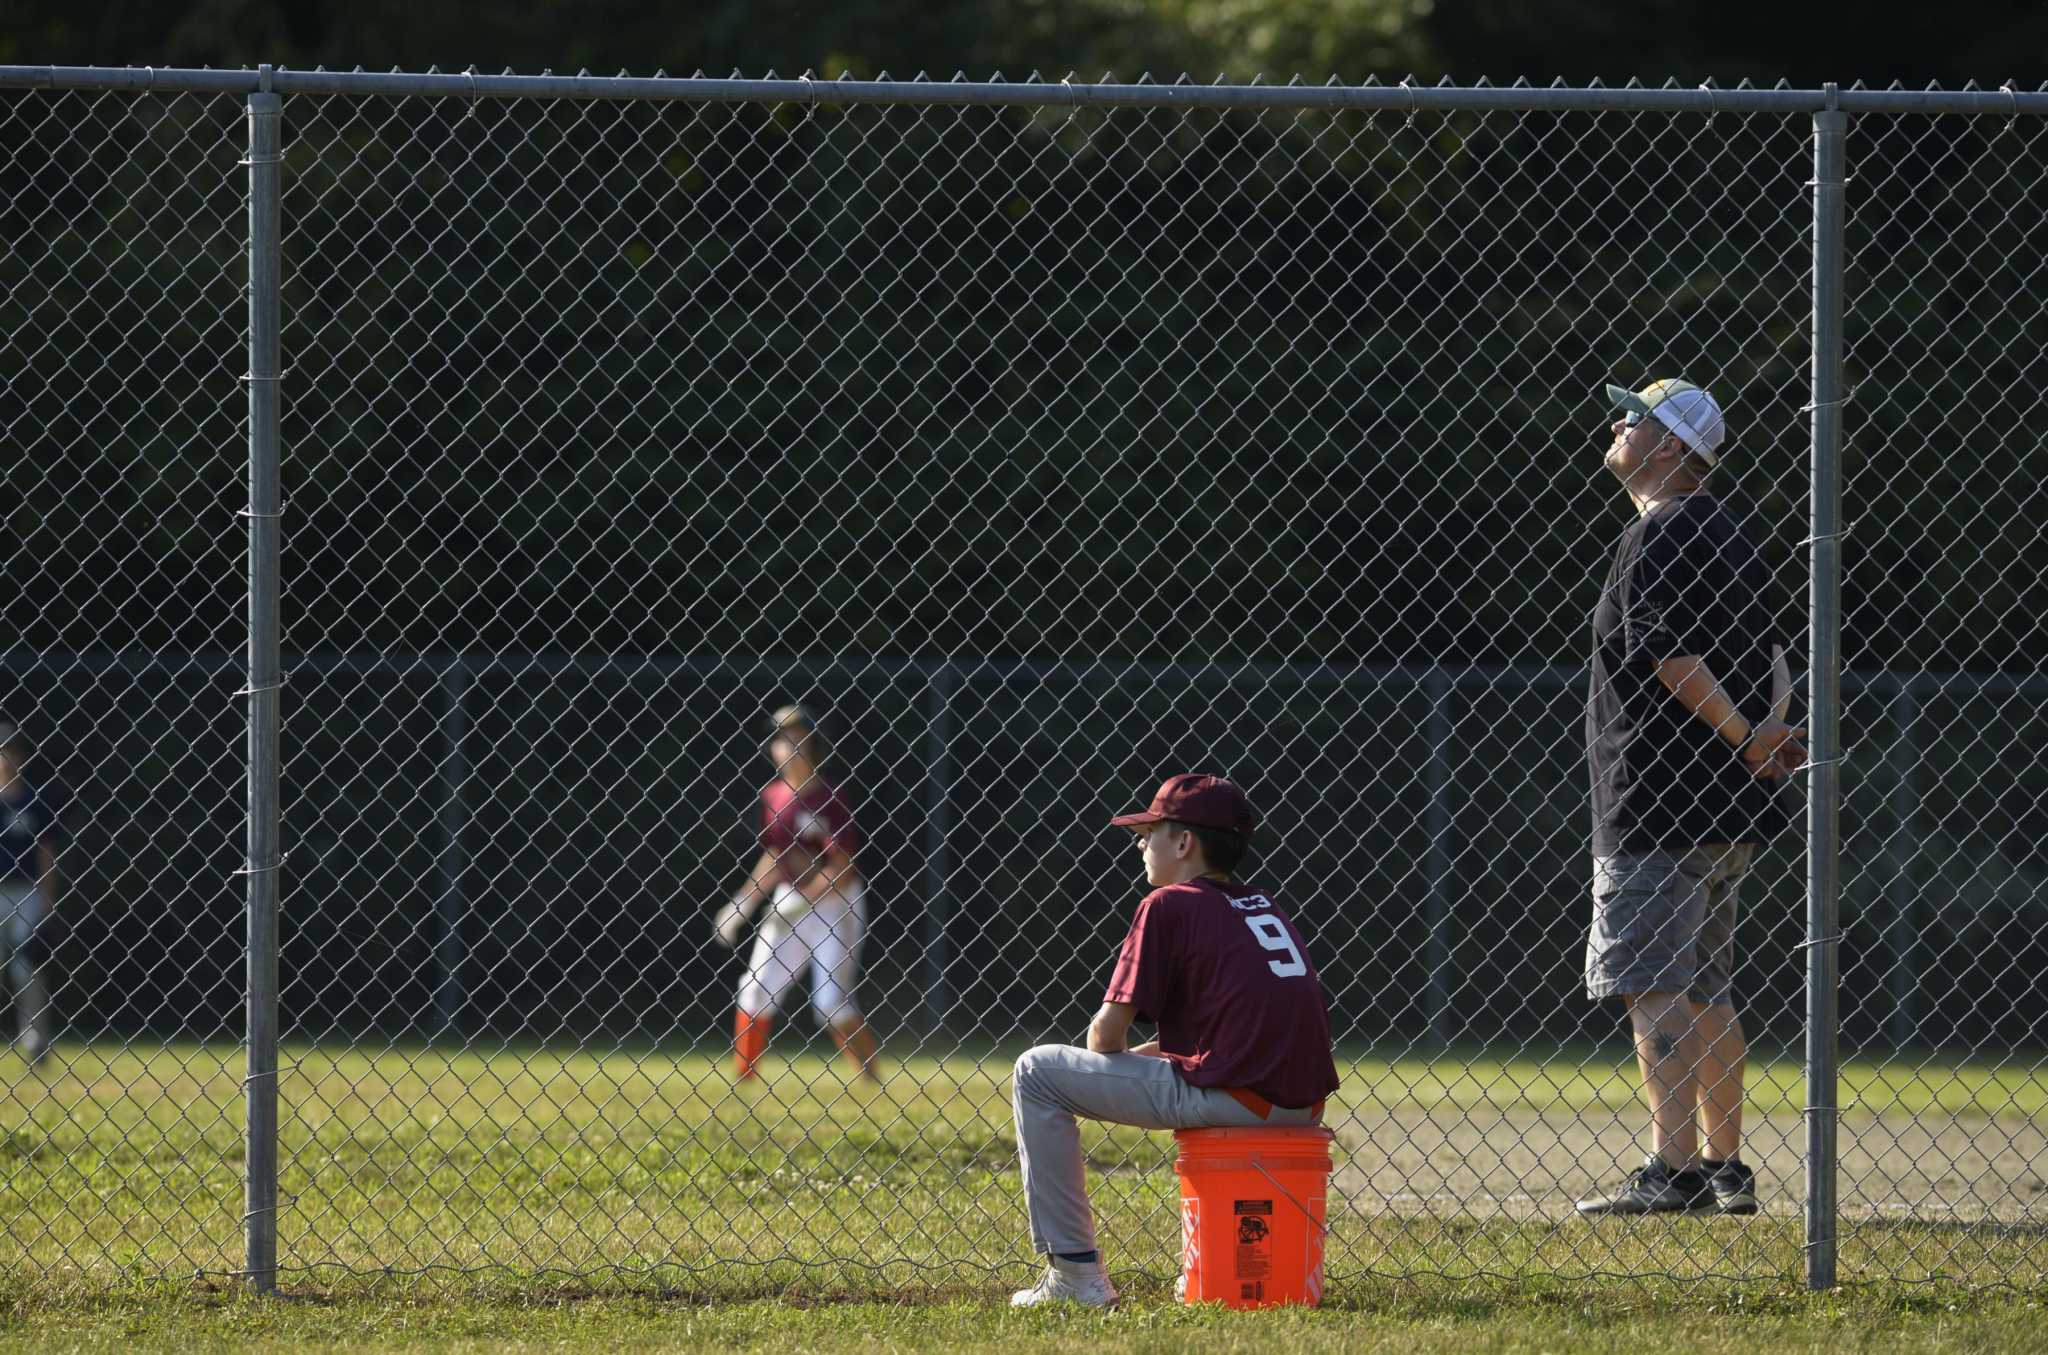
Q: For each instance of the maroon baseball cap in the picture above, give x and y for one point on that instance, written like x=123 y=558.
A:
x=1204 y=801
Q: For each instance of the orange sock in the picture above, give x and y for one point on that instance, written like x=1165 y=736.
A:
x=749 y=1042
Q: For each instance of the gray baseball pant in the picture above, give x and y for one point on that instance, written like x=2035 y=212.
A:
x=1055 y=1083
x=21 y=913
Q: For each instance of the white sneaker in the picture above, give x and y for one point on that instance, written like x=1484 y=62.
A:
x=1084 y=1282
x=1180 y=1287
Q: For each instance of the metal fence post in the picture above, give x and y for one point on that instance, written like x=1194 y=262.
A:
x=1904 y=848
x=1823 y=873
x=938 y=801
x=1440 y=823
x=450 y=950
x=266 y=504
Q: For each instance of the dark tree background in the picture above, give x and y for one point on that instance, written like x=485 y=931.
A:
x=1985 y=40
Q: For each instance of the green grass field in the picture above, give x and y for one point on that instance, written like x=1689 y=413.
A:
x=1428 y=1321
x=636 y=1197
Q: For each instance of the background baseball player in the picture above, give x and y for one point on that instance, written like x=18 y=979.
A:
x=29 y=837
x=1244 y=1034
x=817 y=911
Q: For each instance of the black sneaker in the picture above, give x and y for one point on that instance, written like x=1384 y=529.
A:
x=1734 y=1187
x=1654 y=1188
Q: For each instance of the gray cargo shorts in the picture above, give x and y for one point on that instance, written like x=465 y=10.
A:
x=1664 y=922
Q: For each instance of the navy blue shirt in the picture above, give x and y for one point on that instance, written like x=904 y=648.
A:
x=27 y=817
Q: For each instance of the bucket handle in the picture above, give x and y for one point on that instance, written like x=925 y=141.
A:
x=1322 y=1229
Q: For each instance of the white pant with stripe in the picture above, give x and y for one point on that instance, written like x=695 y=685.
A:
x=823 y=937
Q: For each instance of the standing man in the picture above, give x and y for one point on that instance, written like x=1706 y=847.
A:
x=29 y=837
x=1244 y=1036
x=1686 y=736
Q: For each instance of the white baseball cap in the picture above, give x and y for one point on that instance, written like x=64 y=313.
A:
x=1683 y=408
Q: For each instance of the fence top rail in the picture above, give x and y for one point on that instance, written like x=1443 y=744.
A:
x=1922 y=684
x=1373 y=96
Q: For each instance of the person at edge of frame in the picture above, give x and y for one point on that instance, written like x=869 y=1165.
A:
x=29 y=838
x=1687 y=742
x=817 y=904
x=1243 y=1028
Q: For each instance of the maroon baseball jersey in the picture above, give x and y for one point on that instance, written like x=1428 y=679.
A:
x=799 y=828
x=1223 y=972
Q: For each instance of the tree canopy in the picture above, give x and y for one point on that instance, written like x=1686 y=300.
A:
x=1577 y=40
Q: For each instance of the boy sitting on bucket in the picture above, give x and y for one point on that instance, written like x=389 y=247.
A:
x=1244 y=1036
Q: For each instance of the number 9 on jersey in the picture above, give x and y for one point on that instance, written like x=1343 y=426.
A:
x=1272 y=934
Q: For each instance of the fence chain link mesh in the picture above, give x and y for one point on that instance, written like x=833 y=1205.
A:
x=1039 y=452
x=121 y=289
x=1942 y=861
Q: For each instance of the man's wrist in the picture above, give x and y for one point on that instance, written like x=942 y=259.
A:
x=1764 y=751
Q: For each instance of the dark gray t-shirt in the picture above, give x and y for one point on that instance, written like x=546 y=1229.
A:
x=28 y=819
x=1685 y=580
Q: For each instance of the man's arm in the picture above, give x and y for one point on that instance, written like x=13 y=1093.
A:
x=827 y=872
x=1110 y=1031
x=760 y=881
x=1770 y=749
x=1677 y=590
x=730 y=926
x=1688 y=678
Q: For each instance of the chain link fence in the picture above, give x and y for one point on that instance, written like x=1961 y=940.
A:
x=1042 y=440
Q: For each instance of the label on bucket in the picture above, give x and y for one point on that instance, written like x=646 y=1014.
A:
x=1254 y=1245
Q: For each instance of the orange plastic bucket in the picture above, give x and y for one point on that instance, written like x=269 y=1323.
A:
x=1252 y=1214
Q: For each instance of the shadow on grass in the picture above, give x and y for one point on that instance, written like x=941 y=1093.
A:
x=1862 y=1229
